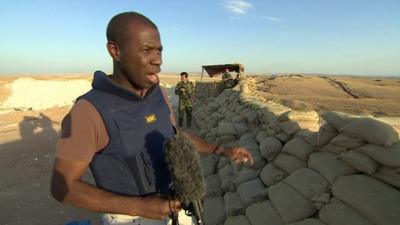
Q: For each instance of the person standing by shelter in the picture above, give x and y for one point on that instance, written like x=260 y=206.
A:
x=227 y=80
x=184 y=89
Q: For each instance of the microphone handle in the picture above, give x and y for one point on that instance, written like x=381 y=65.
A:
x=198 y=209
x=174 y=218
x=195 y=210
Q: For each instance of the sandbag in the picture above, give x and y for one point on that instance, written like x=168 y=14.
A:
x=271 y=174
x=274 y=125
x=289 y=127
x=338 y=213
x=243 y=175
x=211 y=123
x=226 y=128
x=329 y=166
x=225 y=139
x=270 y=132
x=373 y=131
x=320 y=200
x=233 y=97
x=338 y=119
x=388 y=175
x=309 y=136
x=347 y=142
x=255 y=130
x=213 y=186
x=217 y=116
x=251 y=191
x=240 y=128
x=240 y=108
x=250 y=135
x=229 y=115
x=251 y=116
x=213 y=105
x=272 y=109
x=260 y=213
x=283 y=137
x=223 y=161
x=261 y=135
x=307 y=182
x=210 y=138
x=359 y=161
x=203 y=133
x=214 y=213
x=237 y=220
x=248 y=142
x=332 y=149
x=289 y=163
x=233 y=204
x=389 y=156
x=270 y=148
x=325 y=134
x=289 y=203
x=209 y=164
x=311 y=221
x=235 y=169
x=239 y=118
x=373 y=199
x=299 y=148
x=225 y=175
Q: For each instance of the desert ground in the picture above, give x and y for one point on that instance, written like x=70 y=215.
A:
x=30 y=118
x=355 y=95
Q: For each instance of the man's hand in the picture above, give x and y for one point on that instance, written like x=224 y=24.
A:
x=155 y=207
x=183 y=89
x=237 y=154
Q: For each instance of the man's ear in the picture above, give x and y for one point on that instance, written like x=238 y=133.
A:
x=113 y=50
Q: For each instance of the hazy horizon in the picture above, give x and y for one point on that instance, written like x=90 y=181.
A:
x=199 y=74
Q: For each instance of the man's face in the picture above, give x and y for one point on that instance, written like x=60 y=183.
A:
x=140 y=55
x=183 y=79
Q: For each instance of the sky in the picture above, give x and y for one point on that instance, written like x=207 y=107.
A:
x=352 y=37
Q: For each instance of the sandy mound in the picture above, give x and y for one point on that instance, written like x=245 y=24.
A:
x=31 y=94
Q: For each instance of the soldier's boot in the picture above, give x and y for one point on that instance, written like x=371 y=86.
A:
x=189 y=117
x=180 y=117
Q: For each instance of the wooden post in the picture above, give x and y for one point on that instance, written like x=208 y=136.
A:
x=202 y=71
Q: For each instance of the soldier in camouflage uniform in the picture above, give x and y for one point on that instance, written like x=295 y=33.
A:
x=184 y=89
x=227 y=80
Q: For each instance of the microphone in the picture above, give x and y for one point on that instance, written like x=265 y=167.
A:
x=187 y=179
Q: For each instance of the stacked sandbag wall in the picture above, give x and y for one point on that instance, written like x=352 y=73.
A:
x=343 y=172
x=213 y=89
x=207 y=89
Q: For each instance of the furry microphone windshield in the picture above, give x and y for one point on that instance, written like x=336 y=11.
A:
x=184 y=164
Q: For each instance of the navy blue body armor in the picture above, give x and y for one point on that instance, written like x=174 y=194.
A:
x=133 y=163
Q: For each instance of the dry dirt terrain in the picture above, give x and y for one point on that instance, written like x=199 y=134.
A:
x=28 y=138
x=356 y=95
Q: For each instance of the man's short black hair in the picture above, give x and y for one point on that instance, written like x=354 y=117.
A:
x=184 y=74
x=118 y=25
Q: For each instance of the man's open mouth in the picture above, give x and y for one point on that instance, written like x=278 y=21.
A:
x=153 y=78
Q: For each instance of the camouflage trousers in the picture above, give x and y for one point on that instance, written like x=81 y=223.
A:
x=185 y=106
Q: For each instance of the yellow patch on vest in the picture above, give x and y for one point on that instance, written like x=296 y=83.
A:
x=151 y=118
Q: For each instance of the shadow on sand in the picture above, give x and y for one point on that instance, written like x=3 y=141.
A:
x=26 y=166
